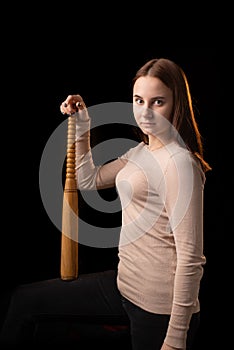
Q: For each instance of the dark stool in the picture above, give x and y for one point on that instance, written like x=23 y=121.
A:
x=109 y=333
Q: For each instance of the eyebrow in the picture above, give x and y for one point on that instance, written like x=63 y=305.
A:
x=152 y=98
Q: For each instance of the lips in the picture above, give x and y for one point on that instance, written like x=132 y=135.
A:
x=148 y=124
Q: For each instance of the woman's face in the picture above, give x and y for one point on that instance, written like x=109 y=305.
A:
x=152 y=106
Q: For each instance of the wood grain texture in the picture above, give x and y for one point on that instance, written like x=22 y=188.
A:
x=69 y=237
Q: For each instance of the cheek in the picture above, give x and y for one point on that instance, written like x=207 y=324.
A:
x=137 y=113
x=167 y=112
x=167 y=116
x=161 y=113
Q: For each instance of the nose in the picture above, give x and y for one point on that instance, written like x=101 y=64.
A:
x=147 y=113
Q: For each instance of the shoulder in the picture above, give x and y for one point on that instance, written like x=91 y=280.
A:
x=133 y=151
x=181 y=159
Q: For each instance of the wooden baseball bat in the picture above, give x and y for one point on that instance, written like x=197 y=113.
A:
x=69 y=237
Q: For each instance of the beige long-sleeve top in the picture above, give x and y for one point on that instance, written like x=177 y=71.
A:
x=161 y=240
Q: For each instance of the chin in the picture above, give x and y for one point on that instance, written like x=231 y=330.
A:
x=148 y=133
x=145 y=132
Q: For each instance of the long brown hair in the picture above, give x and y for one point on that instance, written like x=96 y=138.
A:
x=183 y=118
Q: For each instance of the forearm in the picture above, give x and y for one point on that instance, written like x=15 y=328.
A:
x=90 y=176
x=185 y=303
x=86 y=171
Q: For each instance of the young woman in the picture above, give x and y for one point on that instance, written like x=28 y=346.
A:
x=160 y=183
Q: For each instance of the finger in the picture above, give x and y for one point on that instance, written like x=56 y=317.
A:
x=65 y=108
x=79 y=105
x=72 y=104
x=70 y=108
x=62 y=110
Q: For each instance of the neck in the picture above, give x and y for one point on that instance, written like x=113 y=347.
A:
x=155 y=143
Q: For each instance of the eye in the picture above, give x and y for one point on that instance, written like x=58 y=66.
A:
x=158 y=102
x=139 y=101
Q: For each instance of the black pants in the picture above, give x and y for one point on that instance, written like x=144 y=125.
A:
x=92 y=296
x=148 y=330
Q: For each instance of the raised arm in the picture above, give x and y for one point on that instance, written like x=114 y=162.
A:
x=89 y=176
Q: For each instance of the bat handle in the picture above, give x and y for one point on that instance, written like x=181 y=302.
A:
x=69 y=237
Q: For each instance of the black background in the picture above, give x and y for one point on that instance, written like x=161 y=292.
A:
x=42 y=77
